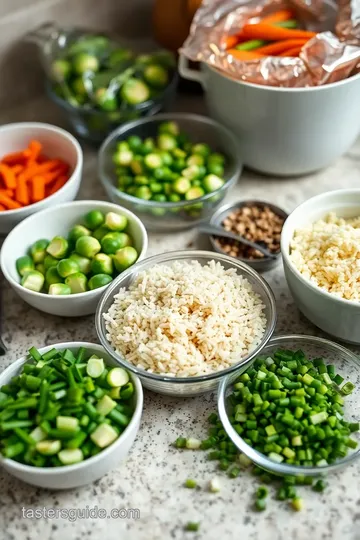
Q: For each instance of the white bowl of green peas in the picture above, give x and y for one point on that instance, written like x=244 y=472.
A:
x=68 y=415
x=60 y=260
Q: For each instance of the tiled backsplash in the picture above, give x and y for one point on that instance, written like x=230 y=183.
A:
x=20 y=73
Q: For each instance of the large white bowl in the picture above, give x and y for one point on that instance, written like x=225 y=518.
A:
x=336 y=316
x=57 y=143
x=89 y=470
x=53 y=222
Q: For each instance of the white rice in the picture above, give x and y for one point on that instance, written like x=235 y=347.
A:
x=185 y=319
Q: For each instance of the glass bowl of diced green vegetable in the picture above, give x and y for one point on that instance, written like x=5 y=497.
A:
x=172 y=170
x=68 y=415
x=295 y=410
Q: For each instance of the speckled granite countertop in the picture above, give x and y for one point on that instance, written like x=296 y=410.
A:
x=151 y=479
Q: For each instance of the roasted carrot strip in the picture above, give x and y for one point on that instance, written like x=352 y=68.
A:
x=22 y=193
x=295 y=51
x=38 y=188
x=280 y=46
x=8 y=176
x=10 y=204
x=60 y=182
x=278 y=16
x=246 y=55
x=269 y=32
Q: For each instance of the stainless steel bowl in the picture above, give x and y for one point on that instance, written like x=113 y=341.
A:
x=186 y=386
x=346 y=364
x=261 y=265
x=169 y=216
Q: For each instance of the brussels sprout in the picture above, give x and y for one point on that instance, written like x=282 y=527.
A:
x=141 y=180
x=102 y=264
x=24 y=265
x=77 y=283
x=212 y=183
x=143 y=192
x=52 y=276
x=156 y=76
x=174 y=197
x=40 y=268
x=148 y=146
x=50 y=261
x=61 y=70
x=79 y=88
x=58 y=247
x=59 y=289
x=194 y=193
x=83 y=63
x=153 y=161
x=171 y=128
x=182 y=185
x=100 y=233
x=66 y=267
x=94 y=219
x=113 y=241
x=156 y=187
x=136 y=165
x=166 y=142
x=201 y=149
x=100 y=280
x=135 y=91
x=214 y=167
x=134 y=143
x=38 y=250
x=87 y=246
x=119 y=56
x=123 y=157
x=33 y=281
x=105 y=100
x=124 y=258
x=159 y=197
x=195 y=159
x=115 y=222
x=83 y=262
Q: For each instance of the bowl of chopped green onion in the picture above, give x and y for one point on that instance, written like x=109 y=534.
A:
x=172 y=170
x=68 y=415
x=295 y=410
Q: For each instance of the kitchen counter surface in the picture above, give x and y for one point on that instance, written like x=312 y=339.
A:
x=151 y=479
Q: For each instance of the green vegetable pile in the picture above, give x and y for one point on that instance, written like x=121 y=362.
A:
x=62 y=408
x=89 y=258
x=168 y=168
x=96 y=73
x=289 y=408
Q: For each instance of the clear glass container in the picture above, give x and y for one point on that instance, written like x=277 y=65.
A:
x=186 y=386
x=346 y=364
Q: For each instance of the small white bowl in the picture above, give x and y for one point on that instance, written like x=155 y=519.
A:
x=53 y=222
x=57 y=143
x=336 y=316
x=91 y=469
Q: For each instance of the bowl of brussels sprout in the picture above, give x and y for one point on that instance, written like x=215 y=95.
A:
x=99 y=83
x=172 y=170
x=61 y=260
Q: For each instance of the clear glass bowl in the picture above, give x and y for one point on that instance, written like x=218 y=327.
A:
x=184 y=214
x=189 y=386
x=94 y=125
x=346 y=364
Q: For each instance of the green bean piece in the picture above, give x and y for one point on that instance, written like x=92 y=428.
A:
x=192 y=526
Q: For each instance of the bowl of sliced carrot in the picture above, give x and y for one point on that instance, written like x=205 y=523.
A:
x=40 y=167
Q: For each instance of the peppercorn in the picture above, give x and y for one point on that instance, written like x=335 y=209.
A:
x=255 y=222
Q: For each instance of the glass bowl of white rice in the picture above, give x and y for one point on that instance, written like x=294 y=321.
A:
x=183 y=320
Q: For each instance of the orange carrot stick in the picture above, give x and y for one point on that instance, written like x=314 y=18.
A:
x=21 y=193
x=10 y=204
x=231 y=41
x=16 y=169
x=246 y=55
x=14 y=158
x=8 y=192
x=269 y=32
x=8 y=176
x=278 y=16
x=295 y=51
x=280 y=46
x=36 y=170
x=38 y=188
x=33 y=151
x=2 y=208
x=60 y=182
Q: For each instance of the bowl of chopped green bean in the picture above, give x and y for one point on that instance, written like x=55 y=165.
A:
x=68 y=415
x=172 y=170
x=295 y=410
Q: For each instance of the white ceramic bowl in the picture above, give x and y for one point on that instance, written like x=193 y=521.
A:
x=89 y=470
x=57 y=143
x=339 y=318
x=53 y=222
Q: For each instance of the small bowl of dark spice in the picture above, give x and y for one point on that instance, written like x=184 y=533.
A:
x=258 y=221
